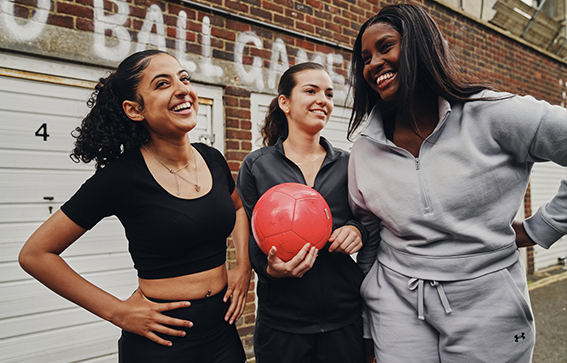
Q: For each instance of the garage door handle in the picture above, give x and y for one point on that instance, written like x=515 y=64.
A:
x=50 y=207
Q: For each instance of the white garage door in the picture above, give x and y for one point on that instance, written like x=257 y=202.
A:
x=36 y=177
x=545 y=181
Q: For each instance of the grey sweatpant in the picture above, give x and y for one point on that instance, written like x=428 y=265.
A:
x=485 y=319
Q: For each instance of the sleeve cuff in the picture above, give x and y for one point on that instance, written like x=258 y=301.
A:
x=363 y=231
x=540 y=231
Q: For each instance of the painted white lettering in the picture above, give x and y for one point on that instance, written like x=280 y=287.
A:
x=207 y=66
x=32 y=28
x=145 y=36
x=180 y=46
x=114 y=23
x=278 y=52
x=318 y=58
x=333 y=59
x=301 y=57
x=255 y=73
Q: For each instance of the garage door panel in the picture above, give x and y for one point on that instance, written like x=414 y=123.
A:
x=26 y=213
x=32 y=87
x=46 y=160
x=11 y=271
x=12 y=239
x=44 y=132
x=62 y=315
x=48 y=321
x=39 y=106
x=22 y=186
x=43 y=98
x=96 y=339
x=21 y=298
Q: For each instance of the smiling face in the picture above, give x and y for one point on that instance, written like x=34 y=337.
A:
x=380 y=51
x=170 y=103
x=310 y=104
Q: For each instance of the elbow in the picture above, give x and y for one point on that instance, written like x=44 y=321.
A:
x=27 y=259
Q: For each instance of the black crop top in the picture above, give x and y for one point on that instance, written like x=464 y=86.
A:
x=167 y=236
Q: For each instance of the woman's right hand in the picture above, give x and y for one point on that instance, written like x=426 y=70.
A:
x=522 y=238
x=141 y=316
x=296 y=267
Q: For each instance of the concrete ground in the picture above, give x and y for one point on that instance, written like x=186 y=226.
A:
x=548 y=293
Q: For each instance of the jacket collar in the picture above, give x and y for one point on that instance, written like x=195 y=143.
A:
x=374 y=128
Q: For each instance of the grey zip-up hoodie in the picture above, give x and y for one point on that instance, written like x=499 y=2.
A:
x=447 y=214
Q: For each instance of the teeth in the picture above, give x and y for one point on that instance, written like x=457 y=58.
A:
x=183 y=106
x=384 y=77
x=319 y=112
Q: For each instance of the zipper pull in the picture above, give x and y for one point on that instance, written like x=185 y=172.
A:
x=417 y=166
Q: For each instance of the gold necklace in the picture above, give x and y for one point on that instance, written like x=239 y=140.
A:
x=174 y=172
x=307 y=162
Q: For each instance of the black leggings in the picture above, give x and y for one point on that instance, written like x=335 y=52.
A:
x=343 y=345
x=211 y=339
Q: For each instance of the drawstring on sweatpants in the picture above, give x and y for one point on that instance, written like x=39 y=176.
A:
x=414 y=283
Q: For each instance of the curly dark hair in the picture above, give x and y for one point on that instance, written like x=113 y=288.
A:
x=106 y=131
x=275 y=122
x=426 y=64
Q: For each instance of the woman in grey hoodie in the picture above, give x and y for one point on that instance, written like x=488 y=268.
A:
x=437 y=176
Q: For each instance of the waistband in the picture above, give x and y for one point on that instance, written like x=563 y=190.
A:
x=451 y=268
x=207 y=314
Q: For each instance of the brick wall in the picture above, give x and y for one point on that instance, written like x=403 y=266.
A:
x=511 y=65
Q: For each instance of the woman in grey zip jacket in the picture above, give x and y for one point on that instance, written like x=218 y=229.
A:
x=309 y=309
x=437 y=176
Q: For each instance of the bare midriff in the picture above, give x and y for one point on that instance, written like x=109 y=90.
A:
x=187 y=287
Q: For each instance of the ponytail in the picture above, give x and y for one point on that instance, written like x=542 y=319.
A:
x=275 y=124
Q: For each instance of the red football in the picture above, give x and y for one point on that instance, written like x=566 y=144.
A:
x=288 y=216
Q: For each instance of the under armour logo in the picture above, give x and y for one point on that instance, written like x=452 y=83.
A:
x=518 y=337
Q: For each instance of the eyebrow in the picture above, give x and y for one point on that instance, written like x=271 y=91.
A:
x=384 y=39
x=167 y=75
x=315 y=86
x=378 y=42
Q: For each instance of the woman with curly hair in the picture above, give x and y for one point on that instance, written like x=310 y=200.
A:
x=437 y=177
x=177 y=203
